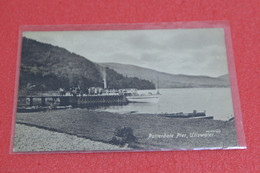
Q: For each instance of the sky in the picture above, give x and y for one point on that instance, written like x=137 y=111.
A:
x=174 y=51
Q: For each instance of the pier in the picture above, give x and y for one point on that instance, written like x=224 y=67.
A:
x=71 y=100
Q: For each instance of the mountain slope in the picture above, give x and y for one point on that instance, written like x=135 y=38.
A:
x=225 y=77
x=45 y=67
x=168 y=80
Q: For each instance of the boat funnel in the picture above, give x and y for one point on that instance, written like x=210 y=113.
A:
x=105 y=83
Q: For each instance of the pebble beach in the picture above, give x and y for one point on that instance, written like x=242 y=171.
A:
x=29 y=138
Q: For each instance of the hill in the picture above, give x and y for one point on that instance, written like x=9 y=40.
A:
x=225 y=77
x=45 y=67
x=169 y=80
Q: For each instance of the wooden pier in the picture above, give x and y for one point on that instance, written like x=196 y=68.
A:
x=71 y=100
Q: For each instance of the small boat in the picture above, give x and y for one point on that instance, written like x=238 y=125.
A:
x=31 y=109
x=205 y=117
x=193 y=115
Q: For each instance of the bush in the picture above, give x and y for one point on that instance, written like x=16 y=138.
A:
x=124 y=136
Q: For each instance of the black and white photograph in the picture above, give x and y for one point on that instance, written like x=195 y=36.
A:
x=124 y=90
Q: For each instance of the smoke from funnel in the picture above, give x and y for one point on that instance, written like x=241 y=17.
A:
x=102 y=71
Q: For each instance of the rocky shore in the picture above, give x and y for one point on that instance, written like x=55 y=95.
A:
x=29 y=138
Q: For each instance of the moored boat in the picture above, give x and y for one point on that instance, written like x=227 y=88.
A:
x=134 y=96
x=194 y=115
x=143 y=99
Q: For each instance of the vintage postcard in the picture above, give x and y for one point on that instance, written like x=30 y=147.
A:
x=124 y=89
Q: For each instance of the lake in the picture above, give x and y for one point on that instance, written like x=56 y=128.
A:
x=216 y=102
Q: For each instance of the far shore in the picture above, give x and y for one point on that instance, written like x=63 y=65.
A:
x=151 y=131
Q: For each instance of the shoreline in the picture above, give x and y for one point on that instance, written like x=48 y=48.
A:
x=31 y=139
x=105 y=127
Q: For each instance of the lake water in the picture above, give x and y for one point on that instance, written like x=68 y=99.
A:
x=216 y=102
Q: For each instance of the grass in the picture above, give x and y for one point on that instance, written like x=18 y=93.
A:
x=101 y=126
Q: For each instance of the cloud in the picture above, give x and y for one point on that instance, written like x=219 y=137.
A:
x=186 y=51
x=150 y=57
x=143 y=41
